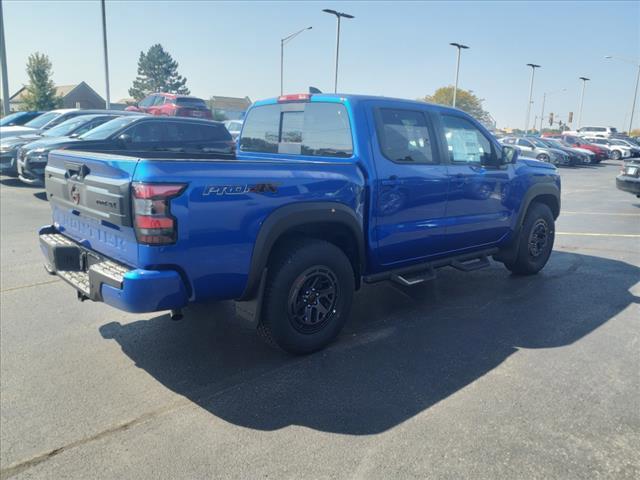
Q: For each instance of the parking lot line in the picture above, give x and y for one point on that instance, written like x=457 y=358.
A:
x=564 y=212
x=585 y=234
x=37 y=284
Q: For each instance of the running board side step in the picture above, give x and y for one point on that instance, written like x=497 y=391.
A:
x=420 y=273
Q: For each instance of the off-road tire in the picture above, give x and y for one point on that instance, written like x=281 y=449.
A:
x=290 y=271
x=533 y=253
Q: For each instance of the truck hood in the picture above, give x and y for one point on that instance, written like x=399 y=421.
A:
x=51 y=143
x=530 y=162
x=14 y=131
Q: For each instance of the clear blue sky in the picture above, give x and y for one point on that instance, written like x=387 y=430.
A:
x=394 y=49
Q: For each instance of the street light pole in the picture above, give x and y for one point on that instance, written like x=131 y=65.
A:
x=584 y=84
x=283 y=42
x=338 y=15
x=3 y=66
x=533 y=71
x=459 y=46
x=544 y=97
x=106 y=57
x=635 y=91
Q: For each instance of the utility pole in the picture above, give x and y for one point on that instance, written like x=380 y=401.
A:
x=584 y=84
x=338 y=15
x=635 y=91
x=283 y=42
x=459 y=46
x=106 y=57
x=533 y=71
x=3 y=66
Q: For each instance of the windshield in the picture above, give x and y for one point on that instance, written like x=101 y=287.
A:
x=68 y=126
x=618 y=142
x=42 y=120
x=107 y=129
x=190 y=102
x=10 y=118
x=553 y=143
x=537 y=143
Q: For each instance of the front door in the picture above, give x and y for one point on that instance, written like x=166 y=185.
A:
x=478 y=209
x=411 y=187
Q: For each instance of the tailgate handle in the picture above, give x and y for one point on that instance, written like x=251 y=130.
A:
x=80 y=170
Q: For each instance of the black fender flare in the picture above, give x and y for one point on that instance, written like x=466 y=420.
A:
x=510 y=251
x=294 y=215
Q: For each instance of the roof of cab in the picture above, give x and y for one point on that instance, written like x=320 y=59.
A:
x=356 y=98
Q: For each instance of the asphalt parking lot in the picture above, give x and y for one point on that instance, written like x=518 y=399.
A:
x=479 y=375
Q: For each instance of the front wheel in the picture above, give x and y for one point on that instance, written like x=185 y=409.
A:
x=308 y=296
x=615 y=155
x=535 y=242
x=543 y=157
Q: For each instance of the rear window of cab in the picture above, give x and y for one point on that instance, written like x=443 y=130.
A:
x=316 y=129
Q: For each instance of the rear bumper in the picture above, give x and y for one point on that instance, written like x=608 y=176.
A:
x=628 y=184
x=100 y=279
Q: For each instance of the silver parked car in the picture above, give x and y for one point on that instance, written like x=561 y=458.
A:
x=534 y=148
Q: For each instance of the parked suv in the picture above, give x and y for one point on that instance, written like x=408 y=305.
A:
x=603 y=132
x=135 y=135
x=173 y=105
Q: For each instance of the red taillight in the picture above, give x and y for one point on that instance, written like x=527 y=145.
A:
x=153 y=222
x=295 y=97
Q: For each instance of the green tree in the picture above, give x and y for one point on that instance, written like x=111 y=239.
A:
x=465 y=101
x=41 y=91
x=157 y=72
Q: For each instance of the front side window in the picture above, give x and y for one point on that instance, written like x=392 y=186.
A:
x=315 y=129
x=404 y=136
x=159 y=100
x=466 y=144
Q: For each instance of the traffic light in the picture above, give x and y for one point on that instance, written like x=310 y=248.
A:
x=551 y=119
x=570 y=117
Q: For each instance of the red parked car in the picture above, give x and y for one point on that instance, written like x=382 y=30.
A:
x=173 y=105
x=577 y=142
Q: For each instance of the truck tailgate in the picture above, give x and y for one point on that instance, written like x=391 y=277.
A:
x=90 y=200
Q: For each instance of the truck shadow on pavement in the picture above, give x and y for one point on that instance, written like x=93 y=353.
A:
x=402 y=352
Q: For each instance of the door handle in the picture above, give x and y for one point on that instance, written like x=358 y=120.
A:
x=392 y=180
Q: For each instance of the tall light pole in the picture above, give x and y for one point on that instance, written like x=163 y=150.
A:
x=533 y=71
x=544 y=98
x=283 y=42
x=3 y=66
x=635 y=91
x=459 y=46
x=338 y=15
x=584 y=84
x=106 y=57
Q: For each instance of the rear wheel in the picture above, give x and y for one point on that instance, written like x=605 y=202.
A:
x=535 y=241
x=308 y=296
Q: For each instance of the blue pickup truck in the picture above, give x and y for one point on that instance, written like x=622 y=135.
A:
x=326 y=192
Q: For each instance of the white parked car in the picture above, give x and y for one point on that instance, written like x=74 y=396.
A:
x=234 y=127
x=616 y=151
x=600 y=132
x=43 y=122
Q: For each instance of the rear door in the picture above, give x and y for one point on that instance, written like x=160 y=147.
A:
x=410 y=191
x=478 y=211
x=90 y=200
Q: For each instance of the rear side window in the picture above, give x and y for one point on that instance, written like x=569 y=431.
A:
x=147 y=132
x=190 y=102
x=313 y=129
x=404 y=136
x=195 y=132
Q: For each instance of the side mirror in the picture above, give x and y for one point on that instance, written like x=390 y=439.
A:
x=124 y=138
x=509 y=155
